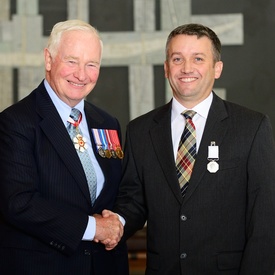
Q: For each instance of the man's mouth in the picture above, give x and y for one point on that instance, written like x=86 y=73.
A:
x=77 y=84
x=188 y=79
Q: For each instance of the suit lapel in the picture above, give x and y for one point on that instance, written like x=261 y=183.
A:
x=53 y=127
x=215 y=130
x=162 y=144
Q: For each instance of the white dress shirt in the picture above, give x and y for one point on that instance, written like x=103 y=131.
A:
x=178 y=121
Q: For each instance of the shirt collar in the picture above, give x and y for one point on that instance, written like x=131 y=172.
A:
x=63 y=109
x=202 y=108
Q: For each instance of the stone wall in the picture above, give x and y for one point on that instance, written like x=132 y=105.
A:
x=134 y=34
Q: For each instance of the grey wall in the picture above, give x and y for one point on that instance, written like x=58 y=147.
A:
x=248 y=75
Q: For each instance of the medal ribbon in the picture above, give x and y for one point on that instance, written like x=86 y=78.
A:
x=116 y=143
x=103 y=138
x=213 y=151
x=97 y=138
x=110 y=145
x=114 y=139
x=73 y=122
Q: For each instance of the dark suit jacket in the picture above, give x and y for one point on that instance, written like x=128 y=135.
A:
x=225 y=224
x=44 y=195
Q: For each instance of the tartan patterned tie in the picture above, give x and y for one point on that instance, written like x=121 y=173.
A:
x=186 y=152
x=83 y=154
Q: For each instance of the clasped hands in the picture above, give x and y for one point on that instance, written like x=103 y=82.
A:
x=109 y=229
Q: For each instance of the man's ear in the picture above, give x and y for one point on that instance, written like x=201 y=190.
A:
x=48 y=59
x=166 y=69
x=218 y=69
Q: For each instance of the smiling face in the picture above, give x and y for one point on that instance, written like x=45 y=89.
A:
x=190 y=68
x=74 y=71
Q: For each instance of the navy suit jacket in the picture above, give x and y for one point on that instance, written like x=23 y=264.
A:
x=44 y=195
x=226 y=222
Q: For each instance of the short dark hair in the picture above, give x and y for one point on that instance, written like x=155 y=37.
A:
x=200 y=31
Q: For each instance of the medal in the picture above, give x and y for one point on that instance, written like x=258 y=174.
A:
x=101 y=151
x=107 y=153
x=213 y=166
x=119 y=153
x=110 y=144
x=213 y=157
x=116 y=144
x=80 y=143
x=113 y=153
x=104 y=143
x=98 y=143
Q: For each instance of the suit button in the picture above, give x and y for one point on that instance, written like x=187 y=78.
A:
x=183 y=218
x=87 y=252
x=183 y=256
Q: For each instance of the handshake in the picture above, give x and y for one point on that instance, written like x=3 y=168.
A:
x=109 y=229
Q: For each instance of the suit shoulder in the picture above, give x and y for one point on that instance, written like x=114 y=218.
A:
x=21 y=109
x=245 y=118
x=100 y=114
x=90 y=106
x=155 y=114
x=242 y=111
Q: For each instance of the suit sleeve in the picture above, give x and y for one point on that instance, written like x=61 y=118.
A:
x=259 y=254
x=130 y=202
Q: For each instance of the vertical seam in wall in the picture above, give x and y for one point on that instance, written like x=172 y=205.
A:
x=15 y=84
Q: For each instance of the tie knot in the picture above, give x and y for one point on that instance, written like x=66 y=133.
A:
x=189 y=114
x=75 y=114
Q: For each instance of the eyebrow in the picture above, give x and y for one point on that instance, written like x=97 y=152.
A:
x=179 y=53
x=76 y=58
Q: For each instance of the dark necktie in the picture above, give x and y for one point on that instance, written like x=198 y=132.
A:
x=79 y=143
x=186 y=152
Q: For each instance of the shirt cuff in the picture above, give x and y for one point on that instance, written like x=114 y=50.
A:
x=89 y=233
x=122 y=220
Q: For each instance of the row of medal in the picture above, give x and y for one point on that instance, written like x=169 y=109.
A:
x=107 y=143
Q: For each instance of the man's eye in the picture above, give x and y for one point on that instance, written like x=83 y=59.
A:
x=177 y=60
x=198 y=59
